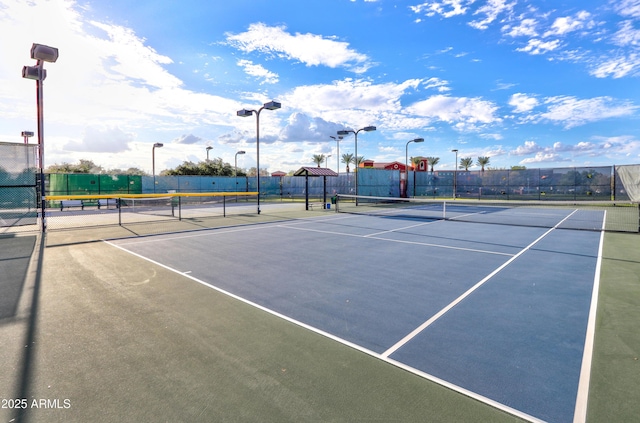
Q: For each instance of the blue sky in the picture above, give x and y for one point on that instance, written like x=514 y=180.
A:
x=537 y=83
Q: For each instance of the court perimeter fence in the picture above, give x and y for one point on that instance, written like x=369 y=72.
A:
x=19 y=188
x=19 y=193
x=607 y=183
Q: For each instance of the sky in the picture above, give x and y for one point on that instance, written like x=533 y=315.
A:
x=535 y=83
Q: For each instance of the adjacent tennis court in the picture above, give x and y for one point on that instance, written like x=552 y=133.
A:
x=500 y=313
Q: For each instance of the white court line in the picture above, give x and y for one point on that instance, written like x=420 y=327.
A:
x=403 y=228
x=580 y=413
x=342 y=341
x=455 y=302
x=424 y=244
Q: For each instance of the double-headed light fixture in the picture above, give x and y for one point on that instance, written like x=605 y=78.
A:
x=272 y=105
x=41 y=54
x=351 y=131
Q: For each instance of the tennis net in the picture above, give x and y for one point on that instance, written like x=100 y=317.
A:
x=580 y=215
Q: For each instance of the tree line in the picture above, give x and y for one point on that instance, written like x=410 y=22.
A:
x=214 y=167
x=465 y=162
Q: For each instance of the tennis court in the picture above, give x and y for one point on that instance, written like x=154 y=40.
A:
x=500 y=313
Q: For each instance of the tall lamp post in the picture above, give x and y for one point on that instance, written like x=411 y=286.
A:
x=347 y=132
x=272 y=105
x=326 y=163
x=235 y=169
x=406 y=165
x=153 y=162
x=337 y=140
x=41 y=54
x=209 y=148
x=455 y=174
x=26 y=135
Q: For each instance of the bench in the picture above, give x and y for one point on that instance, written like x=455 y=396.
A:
x=71 y=203
x=103 y=202
x=106 y=202
x=320 y=205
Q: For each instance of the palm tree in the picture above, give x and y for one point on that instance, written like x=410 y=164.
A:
x=318 y=159
x=357 y=160
x=346 y=159
x=433 y=161
x=483 y=161
x=466 y=163
x=415 y=161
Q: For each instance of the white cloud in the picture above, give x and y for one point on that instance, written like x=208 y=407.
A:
x=536 y=46
x=102 y=139
x=525 y=28
x=258 y=71
x=492 y=9
x=548 y=157
x=617 y=67
x=627 y=7
x=444 y=8
x=570 y=111
x=522 y=102
x=187 y=139
x=627 y=35
x=438 y=84
x=310 y=49
x=459 y=110
x=566 y=24
x=301 y=127
x=529 y=147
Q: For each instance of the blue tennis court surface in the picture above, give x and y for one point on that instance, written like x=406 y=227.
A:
x=497 y=312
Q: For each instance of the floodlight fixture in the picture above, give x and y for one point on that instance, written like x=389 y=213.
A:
x=209 y=148
x=44 y=53
x=27 y=134
x=158 y=145
x=272 y=105
x=35 y=73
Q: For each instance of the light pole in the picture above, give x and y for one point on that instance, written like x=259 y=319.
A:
x=235 y=169
x=41 y=54
x=406 y=165
x=326 y=163
x=337 y=139
x=347 y=132
x=272 y=105
x=153 y=162
x=209 y=148
x=26 y=135
x=455 y=174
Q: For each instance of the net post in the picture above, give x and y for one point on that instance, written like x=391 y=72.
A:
x=224 y=205
x=179 y=207
x=119 y=205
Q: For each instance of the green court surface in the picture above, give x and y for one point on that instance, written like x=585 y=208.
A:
x=101 y=335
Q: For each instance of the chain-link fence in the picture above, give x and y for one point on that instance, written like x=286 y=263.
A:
x=575 y=183
x=19 y=196
x=586 y=183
